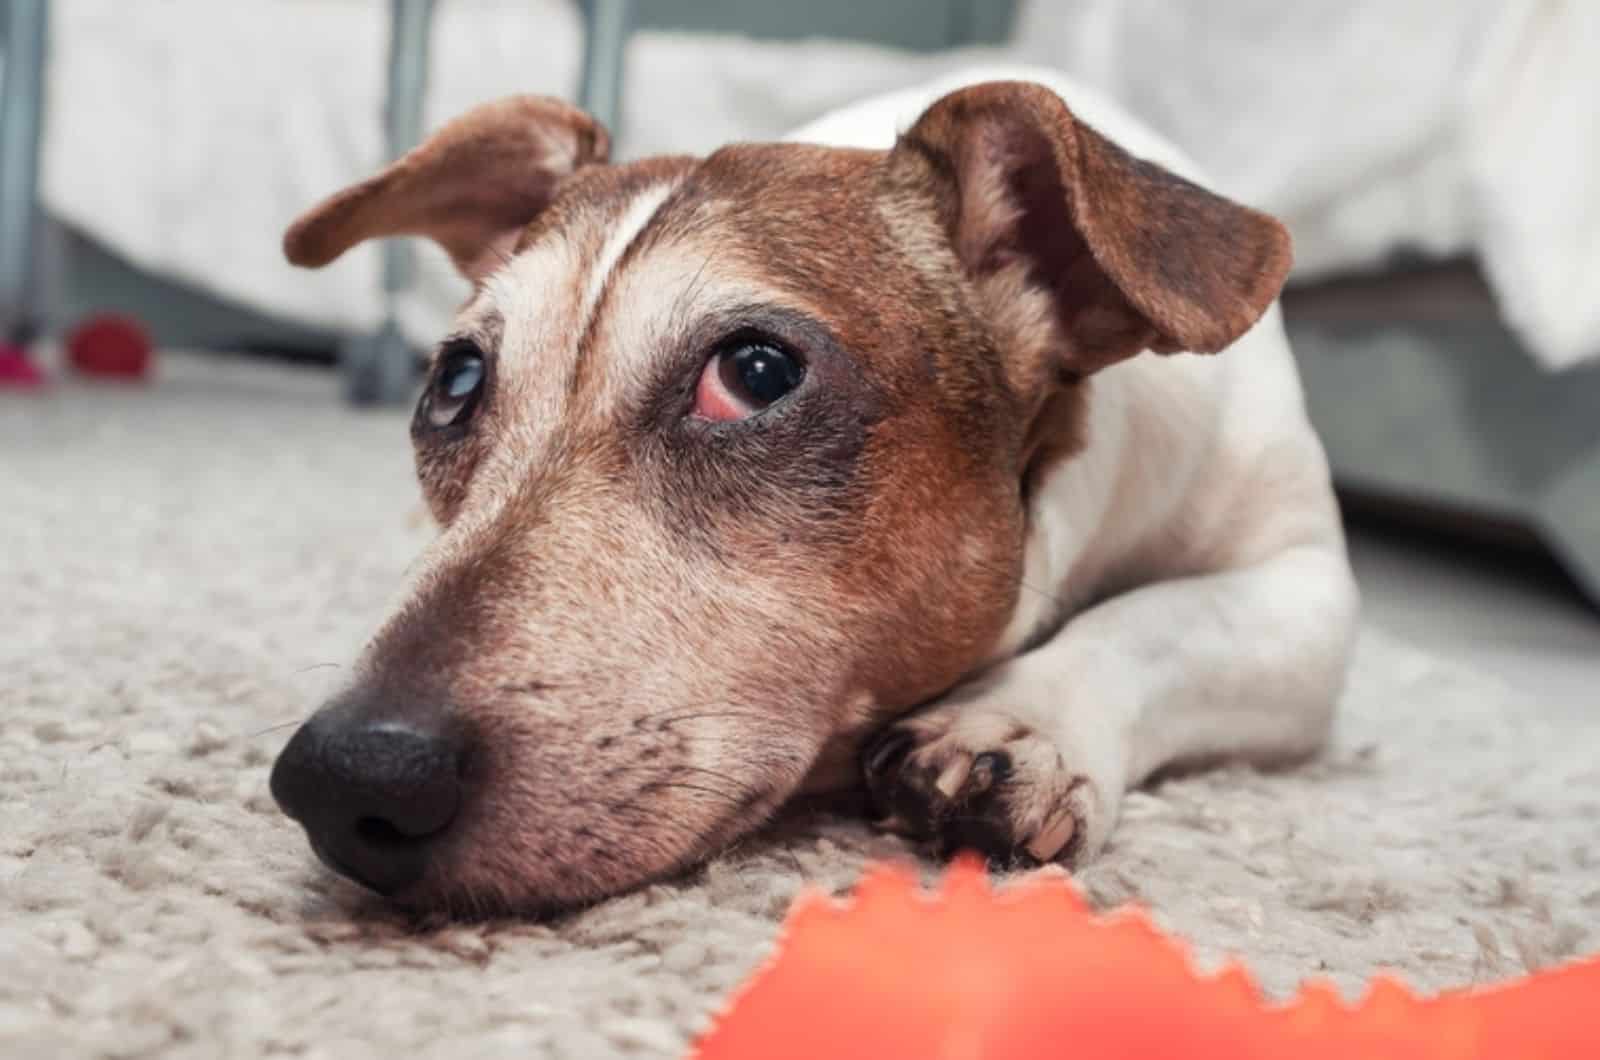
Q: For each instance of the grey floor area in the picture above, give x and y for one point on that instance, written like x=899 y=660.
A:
x=1513 y=617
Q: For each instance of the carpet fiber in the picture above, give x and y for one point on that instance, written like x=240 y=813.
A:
x=184 y=567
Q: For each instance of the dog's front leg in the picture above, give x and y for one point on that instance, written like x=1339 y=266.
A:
x=1030 y=760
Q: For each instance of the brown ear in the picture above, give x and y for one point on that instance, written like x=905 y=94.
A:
x=1125 y=255
x=470 y=187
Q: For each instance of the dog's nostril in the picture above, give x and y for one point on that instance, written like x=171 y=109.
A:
x=378 y=831
x=406 y=778
x=371 y=795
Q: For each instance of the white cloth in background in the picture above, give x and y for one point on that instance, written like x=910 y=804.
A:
x=1532 y=147
x=187 y=135
x=1369 y=126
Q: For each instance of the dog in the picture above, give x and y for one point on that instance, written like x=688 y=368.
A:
x=950 y=451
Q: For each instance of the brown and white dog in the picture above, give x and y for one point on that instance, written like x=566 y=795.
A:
x=798 y=468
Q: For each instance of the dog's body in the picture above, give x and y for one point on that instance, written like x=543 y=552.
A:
x=785 y=470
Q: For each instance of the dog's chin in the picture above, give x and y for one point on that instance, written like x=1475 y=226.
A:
x=429 y=902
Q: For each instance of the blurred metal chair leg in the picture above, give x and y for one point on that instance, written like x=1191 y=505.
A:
x=21 y=110
x=605 y=40
x=381 y=368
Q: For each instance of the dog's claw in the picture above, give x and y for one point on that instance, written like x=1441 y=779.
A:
x=1054 y=837
x=932 y=786
x=954 y=778
x=891 y=745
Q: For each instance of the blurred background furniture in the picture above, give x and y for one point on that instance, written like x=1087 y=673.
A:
x=1435 y=414
x=379 y=368
x=21 y=109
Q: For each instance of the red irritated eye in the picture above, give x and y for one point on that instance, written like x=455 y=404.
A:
x=743 y=379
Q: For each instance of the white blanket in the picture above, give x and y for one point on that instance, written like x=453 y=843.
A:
x=186 y=135
x=1439 y=126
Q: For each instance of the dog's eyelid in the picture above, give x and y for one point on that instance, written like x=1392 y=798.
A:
x=796 y=333
x=749 y=335
x=464 y=342
x=482 y=331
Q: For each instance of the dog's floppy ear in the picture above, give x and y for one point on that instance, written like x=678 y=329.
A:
x=470 y=187
x=1064 y=233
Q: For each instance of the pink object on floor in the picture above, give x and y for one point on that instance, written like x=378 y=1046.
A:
x=110 y=345
x=17 y=372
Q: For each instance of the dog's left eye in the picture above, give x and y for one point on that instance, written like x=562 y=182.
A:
x=457 y=383
x=744 y=378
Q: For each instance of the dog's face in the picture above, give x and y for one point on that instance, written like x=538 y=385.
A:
x=730 y=458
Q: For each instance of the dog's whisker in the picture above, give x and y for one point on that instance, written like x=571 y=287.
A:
x=710 y=773
x=1043 y=594
x=528 y=688
x=319 y=666
x=275 y=728
x=667 y=720
x=733 y=797
x=1025 y=584
x=681 y=305
x=733 y=782
x=746 y=792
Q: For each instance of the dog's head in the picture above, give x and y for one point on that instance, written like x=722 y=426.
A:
x=731 y=458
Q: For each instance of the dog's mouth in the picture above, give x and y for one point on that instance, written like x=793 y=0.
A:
x=478 y=887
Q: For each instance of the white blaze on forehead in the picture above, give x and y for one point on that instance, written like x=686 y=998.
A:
x=544 y=298
x=626 y=229
x=547 y=294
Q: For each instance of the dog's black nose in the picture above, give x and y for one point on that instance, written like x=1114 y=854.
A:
x=370 y=794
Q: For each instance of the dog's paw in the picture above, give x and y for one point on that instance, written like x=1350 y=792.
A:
x=975 y=778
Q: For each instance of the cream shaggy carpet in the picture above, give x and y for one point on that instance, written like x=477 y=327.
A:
x=179 y=566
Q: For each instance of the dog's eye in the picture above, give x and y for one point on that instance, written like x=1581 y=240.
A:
x=744 y=378
x=456 y=386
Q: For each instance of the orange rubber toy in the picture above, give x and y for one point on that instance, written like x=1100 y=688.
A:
x=972 y=974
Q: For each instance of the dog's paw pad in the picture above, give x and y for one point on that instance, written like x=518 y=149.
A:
x=984 y=783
